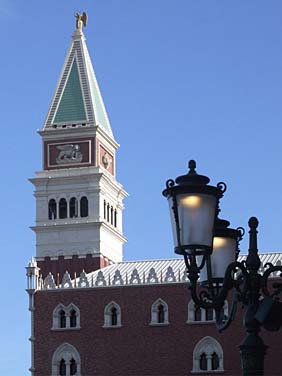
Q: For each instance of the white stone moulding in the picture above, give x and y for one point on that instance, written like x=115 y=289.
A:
x=116 y=278
x=102 y=279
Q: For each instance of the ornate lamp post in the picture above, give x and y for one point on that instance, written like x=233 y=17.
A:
x=210 y=249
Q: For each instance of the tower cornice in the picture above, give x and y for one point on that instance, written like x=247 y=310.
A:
x=78 y=131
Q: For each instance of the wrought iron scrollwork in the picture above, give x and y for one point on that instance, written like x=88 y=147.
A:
x=170 y=183
x=222 y=186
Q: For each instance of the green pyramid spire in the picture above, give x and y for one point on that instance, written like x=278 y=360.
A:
x=78 y=99
x=71 y=106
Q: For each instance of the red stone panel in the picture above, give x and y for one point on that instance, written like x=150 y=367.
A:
x=69 y=153
x=105 y=158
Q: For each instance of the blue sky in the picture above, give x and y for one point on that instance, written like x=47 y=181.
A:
x=180 y=79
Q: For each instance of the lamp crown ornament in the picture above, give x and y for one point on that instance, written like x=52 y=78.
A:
x=192 y=177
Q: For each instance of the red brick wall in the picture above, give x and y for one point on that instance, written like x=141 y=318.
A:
x=74 y=265
x=136 y=348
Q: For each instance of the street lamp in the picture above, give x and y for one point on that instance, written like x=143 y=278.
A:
x=210 y=249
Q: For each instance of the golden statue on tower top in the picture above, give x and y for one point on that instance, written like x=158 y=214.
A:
x=81 y=19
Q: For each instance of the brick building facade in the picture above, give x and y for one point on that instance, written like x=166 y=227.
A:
x=91 y=313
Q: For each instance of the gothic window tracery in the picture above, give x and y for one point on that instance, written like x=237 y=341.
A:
x=62 y=315
x=209 y=314
x=73 y=318
x=208 y=356
x=62 y=367
x=203 y=362
x=66 y=317
x=215 y=361
x=159 y=313
x=199 y=315
x=112 y=315
x=66 y=361
x=73 y=367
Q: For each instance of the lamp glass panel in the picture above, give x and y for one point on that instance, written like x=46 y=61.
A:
x=173 y=222
x=224 y=252
x=196 y=218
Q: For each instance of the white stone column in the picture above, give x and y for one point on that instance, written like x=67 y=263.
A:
x=67 y=367
x=209 y=362
x=78 y=207
x=57 y=208
x=68 y=206
x=32 y=338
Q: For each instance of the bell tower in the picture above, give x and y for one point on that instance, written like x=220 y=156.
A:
x=79 y=202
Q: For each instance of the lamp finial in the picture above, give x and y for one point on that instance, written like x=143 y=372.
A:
x=192 y=167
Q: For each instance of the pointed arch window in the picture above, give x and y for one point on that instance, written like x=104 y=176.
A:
x=198 y=314
x=66 y=361
x=208 y=356
x=73 y=208
x=62 y=368
x=209 y=314
x=63 y=208
x=84 y=207
x=215 y=361
x=203 y=362
x=159 y=313
x=73 y=318
x=63 y=320
x=66 y=317
x=73 y=367
x=112 y=315
x=52 y=209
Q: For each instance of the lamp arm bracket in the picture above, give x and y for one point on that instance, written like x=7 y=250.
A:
x=221 y=322
x=230 y=281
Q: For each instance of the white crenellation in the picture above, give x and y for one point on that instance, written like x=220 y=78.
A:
x=152 y=276
x=169 y=276
x=135 y=278
x=100 y=281
x=117 y=280
x=83 y=281
x=66 y=281
x=49 y=282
